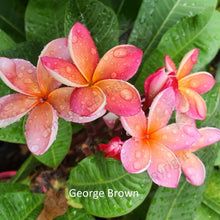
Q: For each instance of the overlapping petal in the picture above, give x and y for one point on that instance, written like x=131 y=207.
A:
x=200 y=82
x=64 y=71
x=184 y=118
x=83 y=50
x=177 y=137
x=170 y=65
x=20 y=75
x=41 y=128
x=135 y=155
x=110 y=119
x=120 y=62
x=87 y=101
x=161 y=110
x=187 y=63
x=56 y=48
x=122 y=98
x=192 y=167
x=135 y=125
x=15 y=106
x=182 y=104
x=164 y=169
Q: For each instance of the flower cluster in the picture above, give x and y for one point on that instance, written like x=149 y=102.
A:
x=94 y=86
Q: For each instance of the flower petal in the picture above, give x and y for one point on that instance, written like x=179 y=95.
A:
x=187 y=63
x=121 y=62
x=110 y=119
x=83 y=50
x=153 y=85
x=197 y=106
x=56 y=48
x=135 y=125
x=64 y=71
x=15 y=106
x=60 y=100
x=164 y=168
x=182 y=104
x=135 y=155
x=200 y=82
x=161 y=110
x=177 y=137
x=192 y=167
x=122 y=98
x=41 y=128
x=183 y=118
x=209 y=137
x=87 y=101
x=170 y=65
x=20 y=75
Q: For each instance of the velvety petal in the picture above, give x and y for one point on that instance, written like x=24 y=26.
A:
x=122 y=98
x=153 y=85
x=209 y=136
x=41 y=128
x=182 y=104
x=87 y=101
x=64 y=71
x=170 y=65
x=197 y=106
x=15 y=106
x=60 y=100
x=183 y=118
x=164 y=168
x=161 y=110
x=83 y=50
x=110 y=119
x=56 y=48
x=200 y=82
x=20 y=75
x=187 y=63
x=177 y=137
x=135 y=125
x=121 y=62
x=135 y=155
x=192 y=167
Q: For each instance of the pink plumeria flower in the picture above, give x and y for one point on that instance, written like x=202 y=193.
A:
x=100 y=84
x=191 y=165
x=39 y=94
x=113 y=148
x=110 y=119
x=188 y=100
x=153 y=141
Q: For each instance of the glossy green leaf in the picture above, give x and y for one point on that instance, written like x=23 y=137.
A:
x=20 y=205
x=76 y=214
x=58 y=150
x=182 y=202
x=156 y=17
x=5 y=41
x=6 y=188
x=104 y=178
x=196 y=32
x=100 y=20
x=217 y=161
x=205 y=213
x=44 y=20
x=212 y=193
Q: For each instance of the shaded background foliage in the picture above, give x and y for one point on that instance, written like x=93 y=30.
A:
x=157 y=27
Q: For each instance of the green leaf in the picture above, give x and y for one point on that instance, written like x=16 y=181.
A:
x=205 y=213
x=76 y=214
x=21 y=205
x=5 y=41
x=100 y=20
x=58 y=150
x=103 y=179
x=28 y=50
x=156 y=17
x=44 y=20
x=217 y=161
x=196 y=32
x=212 y=193
x=6 y=188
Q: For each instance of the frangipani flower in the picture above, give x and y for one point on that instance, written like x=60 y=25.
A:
x=38 y=94
x=153 y=141
x=113 y=148
x=99 y=84
x=191 y=165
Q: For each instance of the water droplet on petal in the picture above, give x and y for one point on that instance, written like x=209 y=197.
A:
x=113 y=75
x=46 y=133
x=30 y=71
x=68 y=69
x=126 y=94
x=20 y=75
x=138 y=154
x=112 y=98
x=120 y=52
x=164 y=136
x=35 y=148
x=93 y=51
x=137 y=165
x=74 y=39
x=27 y=81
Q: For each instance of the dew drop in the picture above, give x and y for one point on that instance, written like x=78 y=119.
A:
x=137 y=165
x=105 y=57
x=30 y=71
x=68 y=69
x=112 y=98
x=126 y=94
x=138 y=154
x=20 y=75
x=27 y=81
x=120 y=52
x=93 y=51
x=113 y=75
x=164 y=136
x=46 y=133
x=74 y=39
x=35 y=148
x=193 y=83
